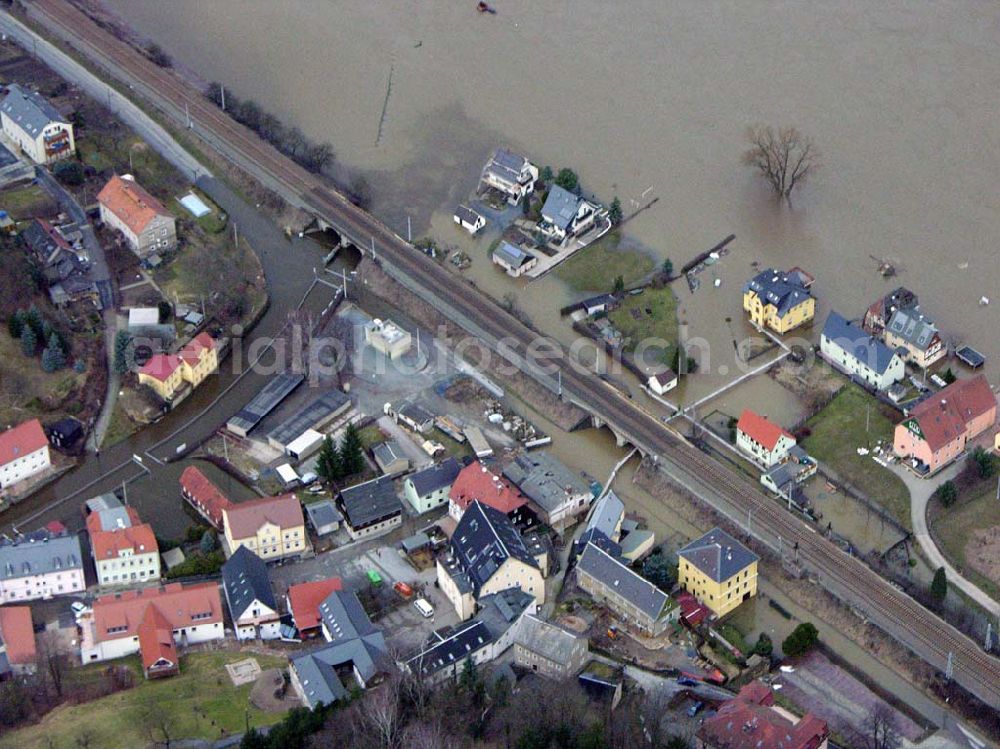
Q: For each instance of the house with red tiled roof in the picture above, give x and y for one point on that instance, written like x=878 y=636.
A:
x=761 y=440
x=166 y=374
x=752 y=720
x=204 y=496
x=477 y=482
x=272 y=527
x=17 y=641
x=124 y=548
x=24 y=452
x=137 y=621
x=303 y=602
x=940 y=428
x=147 y=226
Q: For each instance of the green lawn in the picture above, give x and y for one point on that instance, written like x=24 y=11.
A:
x=370 y=435
x=953 y=528
x=839 y=430
x=201 y=702
x=457 y=450
x=651 y=314
x=595 y=267
x=24 y=203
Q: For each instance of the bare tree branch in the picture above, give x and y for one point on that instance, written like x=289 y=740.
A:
x=785 y=158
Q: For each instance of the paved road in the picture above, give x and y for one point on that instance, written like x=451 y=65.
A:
x=921 y=491
x=734 y=496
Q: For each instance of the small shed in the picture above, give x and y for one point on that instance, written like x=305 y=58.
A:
x=415 y=543
x=324 y=517
x=287 y=474
x=172 y=558
x=390 y=458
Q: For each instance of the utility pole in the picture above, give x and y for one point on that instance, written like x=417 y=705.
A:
x=125 y=493
x=868 y=418
x=559 y=374
x=749 y=514
x=950 y=668
x=373 y=247
x=222 y=87
x=187 y=115
x=989 y=636
x=409 y=235
x=343 y=275
x=236 y=235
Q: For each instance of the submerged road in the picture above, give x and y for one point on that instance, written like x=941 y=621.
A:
x=924 y=633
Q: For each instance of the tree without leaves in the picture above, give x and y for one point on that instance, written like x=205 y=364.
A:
x=878 y=730
x=52 y=660
x=785 y=158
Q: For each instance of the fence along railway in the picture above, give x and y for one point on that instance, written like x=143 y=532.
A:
x=921 y=631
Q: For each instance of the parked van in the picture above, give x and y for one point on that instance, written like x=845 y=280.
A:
x=425 y=609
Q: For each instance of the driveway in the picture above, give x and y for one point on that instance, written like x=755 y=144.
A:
x=921 y=491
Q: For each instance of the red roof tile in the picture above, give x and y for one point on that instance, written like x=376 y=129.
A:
x=192 y=352
x=750 y=722
x=246 y=518
x=18 y=634
x=108 y=543
x=161 y=366
x=127 y=199
x=206 y=496
x=760 y=429
x=304 y=600
x=119 y=615
x=946 y=416
x=156 y=639
x=22 y=440
x=475 y=481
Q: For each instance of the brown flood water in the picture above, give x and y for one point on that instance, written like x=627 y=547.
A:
x=640 y=95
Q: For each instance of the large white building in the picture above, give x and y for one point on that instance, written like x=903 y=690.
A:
x=387 y=337
x=37 y=127
x=152 y=622
x=124 y=548
x=24 y=452
x=252 y=605
x=40 y=565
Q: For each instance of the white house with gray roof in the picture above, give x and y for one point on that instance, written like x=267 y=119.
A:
x=565 y=215
x=40 y=565
x=557 y=493
x=851 y=349
x=38 y=128
x=514 y=260
x=469 y=219
x=431 y=487
x=510 y=174
x=638 y=603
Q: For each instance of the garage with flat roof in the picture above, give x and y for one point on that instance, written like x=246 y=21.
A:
x=263 y=403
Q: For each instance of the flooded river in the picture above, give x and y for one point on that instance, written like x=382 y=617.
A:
x=654 y=96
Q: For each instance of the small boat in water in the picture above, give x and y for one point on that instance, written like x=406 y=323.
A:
x=483 y=7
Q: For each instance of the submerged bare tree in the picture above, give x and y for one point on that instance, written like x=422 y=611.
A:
x=784 y=157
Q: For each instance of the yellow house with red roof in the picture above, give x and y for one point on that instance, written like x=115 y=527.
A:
x=166 y=374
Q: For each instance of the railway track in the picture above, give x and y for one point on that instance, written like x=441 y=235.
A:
x=924 y=633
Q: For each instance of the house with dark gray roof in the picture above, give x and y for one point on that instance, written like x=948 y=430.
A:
x=565 y=215
x=390 y=458
x=252 y=605
x=718 y=570
x=469 y=219
x=510 y=174
x=516 y=261
x=638 y=603
x=315 y=415
x=323 y=516
x=547 y=649
x=40 y=565
x=352 y=641
x=431 y=487
x=860 y=354
x=371 y=508
x=487 y=555
x=557 y=493
x=38 y=128
x=915 y=337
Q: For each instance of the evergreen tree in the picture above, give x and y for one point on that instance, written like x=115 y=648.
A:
x=615 y=212
x=33 y=318
x=801 y=640
x=124 y=351
x=29 y=341
x=352 y=457
x=15 y=324
x=53 y=358
x=947 y=493
x=668 y=267
x=208 y=541
x=328 y=466
x=619 y=285
x=939 y=585
x=764 y=646
x=545 y=175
